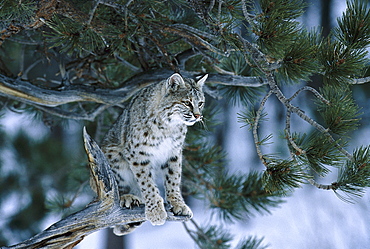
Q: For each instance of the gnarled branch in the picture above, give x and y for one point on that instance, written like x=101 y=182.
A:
x=104 y=212
x=26 y=92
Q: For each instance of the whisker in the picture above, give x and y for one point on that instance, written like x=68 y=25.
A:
x=204 y=124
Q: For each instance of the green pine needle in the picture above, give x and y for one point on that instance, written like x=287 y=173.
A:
x=249 y=118
x=283 y=176
x=342 y=114
x=276 y=28
x=21 y=12
x=300 y=60
x=319 y=152
x=240 y=94
x=354 y=26
x=354 y=176
x=73 y=36
x=226 y=197
x=213 y=237
x=341 y=63
x=251 y=243
x=235 y=63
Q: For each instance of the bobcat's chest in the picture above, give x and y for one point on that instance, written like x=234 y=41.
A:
x=161 y=151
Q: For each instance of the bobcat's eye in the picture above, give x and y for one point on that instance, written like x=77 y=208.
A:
x=187 y=103
x=201 y=104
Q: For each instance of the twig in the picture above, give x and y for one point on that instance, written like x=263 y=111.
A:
x=92 y=12
x=236 y=80
x=213 y=92
x=190 y=233
x=191 y=38
x=288 y=135
x=221 y=71
x=182 y=57
x=255 y=127
x=277 y=92
x=332 y=186
x=211 y=5
x=313 y=90
x=195 y=31
x=128 y=64
x=200 y=232
x=73 y=115
x=220 y=2
x=245 y=12
x=28 y=69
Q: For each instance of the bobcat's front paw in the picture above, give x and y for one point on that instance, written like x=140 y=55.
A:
x=155 y=212
x=129 y=201
x=180 y=208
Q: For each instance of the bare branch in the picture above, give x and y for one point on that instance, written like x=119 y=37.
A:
x=193 y=39
x=127 y=64
x=245 y=12
x=313 y=90
x=195 y=31
x=360 y=81
x=89 y=116
x=289 y=137
x=255 y=128
x=92 y=12
x=236 y=80
x=26 y=92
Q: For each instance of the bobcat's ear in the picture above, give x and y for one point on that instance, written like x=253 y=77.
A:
x=201 y=81
x=175 y=81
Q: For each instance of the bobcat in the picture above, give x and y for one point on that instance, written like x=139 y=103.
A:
x=148 y=137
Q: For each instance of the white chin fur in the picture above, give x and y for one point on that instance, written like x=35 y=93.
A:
x=192 y=122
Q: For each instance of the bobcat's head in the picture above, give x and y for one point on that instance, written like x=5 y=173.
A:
x=185 y=99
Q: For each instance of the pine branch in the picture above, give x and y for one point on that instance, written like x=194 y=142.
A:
x=102 y=213
x=276 y=90
x=210 y=237
x=319 y=152
x=353 y=178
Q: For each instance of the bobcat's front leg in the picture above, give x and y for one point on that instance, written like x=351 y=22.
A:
x=172 y=173
x=154 y=205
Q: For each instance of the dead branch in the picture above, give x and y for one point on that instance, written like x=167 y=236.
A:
x=26 y=92
x=104 y=212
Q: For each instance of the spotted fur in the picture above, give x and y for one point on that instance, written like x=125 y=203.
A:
x=148 y=138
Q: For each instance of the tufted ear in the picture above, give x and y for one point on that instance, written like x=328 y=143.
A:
x=175 y=81
x=201 y=81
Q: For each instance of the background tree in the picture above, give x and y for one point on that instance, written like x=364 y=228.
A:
x=83 y=60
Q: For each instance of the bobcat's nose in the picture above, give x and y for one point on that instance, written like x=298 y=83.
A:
x=197 y=116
